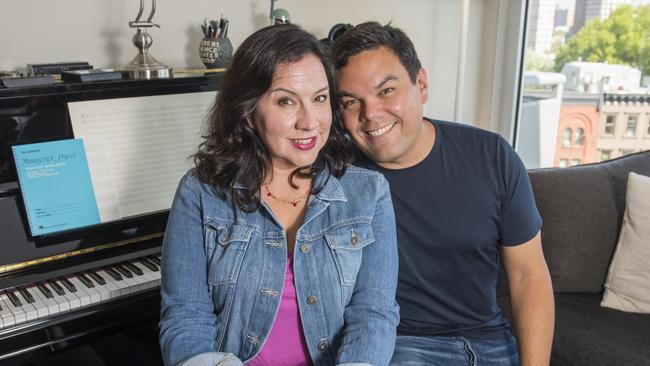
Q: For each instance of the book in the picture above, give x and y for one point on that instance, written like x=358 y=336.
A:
x=83 y=76
x=13 y=82
x=57 y=68
x=56 y=186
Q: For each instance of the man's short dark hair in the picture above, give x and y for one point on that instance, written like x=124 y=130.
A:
x=371 y=36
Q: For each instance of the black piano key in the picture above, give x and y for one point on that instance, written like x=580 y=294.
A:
x=133 y=268
x=125 y=272
x=44 y=290
x=97 y=277
x=113 y=273
x=67 y=284
x=58 y=289
x=154 y=259
x=14 y=299
x=149 y=264
x=85 y=280
x=26 y=295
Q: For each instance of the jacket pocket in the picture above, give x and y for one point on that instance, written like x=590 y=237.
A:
x=346 y=243
x=226 y=244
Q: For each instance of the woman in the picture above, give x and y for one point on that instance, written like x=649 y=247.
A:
x=276 y=251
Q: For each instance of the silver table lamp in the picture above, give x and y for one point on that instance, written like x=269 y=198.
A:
x=144 y=65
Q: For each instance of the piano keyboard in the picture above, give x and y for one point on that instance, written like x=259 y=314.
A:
x=47 y=299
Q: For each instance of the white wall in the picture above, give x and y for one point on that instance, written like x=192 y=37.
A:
x=35 y=31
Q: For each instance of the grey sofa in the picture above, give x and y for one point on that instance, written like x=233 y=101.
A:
x=582 y=209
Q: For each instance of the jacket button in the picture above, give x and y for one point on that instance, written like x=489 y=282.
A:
x=322 y=346
x=304 y=248
x=355 y=239
x=311 y=300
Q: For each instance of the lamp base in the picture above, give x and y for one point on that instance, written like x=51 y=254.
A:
x=145 y=66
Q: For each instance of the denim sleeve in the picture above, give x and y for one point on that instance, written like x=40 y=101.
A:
x=188 y=325
x=372 y=315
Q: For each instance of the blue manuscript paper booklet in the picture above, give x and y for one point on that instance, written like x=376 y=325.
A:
x=56 y=186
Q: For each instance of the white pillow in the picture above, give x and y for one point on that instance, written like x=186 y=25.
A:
x=627 y=286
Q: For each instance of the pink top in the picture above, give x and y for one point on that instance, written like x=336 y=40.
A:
x=286 y=345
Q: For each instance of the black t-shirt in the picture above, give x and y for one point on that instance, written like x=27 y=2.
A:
x=454 y=210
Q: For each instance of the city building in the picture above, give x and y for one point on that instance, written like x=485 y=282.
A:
x=596 y=77
x=624 y=126
x=541 y=23
x=564 y=14
x=577 y=130
x=599 y=9
x=539 y=116
x=561 y=18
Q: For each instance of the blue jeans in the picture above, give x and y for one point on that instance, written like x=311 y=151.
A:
x=453 y=351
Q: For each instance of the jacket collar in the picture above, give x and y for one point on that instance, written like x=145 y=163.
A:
x=331 y=188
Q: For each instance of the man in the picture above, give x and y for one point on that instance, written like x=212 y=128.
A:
x=463 y=204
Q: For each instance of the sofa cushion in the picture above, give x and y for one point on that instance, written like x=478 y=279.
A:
x=582 y=209
x=588 y=334
x=627 y=286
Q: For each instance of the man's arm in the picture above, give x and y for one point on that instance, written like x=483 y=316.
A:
x=531 y=299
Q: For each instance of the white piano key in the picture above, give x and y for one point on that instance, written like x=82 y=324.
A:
x=52 y=306
x=72 y=299
x=134 y=285
x=103 y=291
x=113 y=290
x=90 y=294
x=62 y=300
x=30 y=311
x=19 y=314
x=153 y=278
x=83 y=296
x=120 y=286
x=6 y=315
x=41 y=309
x=145 y=279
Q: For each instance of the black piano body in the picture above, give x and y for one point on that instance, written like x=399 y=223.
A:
x=93 y=291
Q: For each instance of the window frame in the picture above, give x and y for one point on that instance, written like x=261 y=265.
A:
x=613 y=125
x=627 y=126
x=579 y=137
x=567 y=137
x=602 y=151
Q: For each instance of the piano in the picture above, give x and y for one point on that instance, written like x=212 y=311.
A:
x=88 y=295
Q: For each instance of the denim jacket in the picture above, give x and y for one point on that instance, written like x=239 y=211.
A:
x=223 y=273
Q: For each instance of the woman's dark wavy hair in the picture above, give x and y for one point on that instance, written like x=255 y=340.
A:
x=232 y=157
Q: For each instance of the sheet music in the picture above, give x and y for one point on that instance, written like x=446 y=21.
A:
x=139 y=148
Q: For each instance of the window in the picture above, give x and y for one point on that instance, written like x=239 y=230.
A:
x=610 y=125
x=605 y=155
x=566 y=137
x=580 y=137
x=630 y=131
x=577 y=105
x=627 y=151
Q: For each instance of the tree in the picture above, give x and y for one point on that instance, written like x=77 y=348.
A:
x=623 y=38
x=536 y=62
